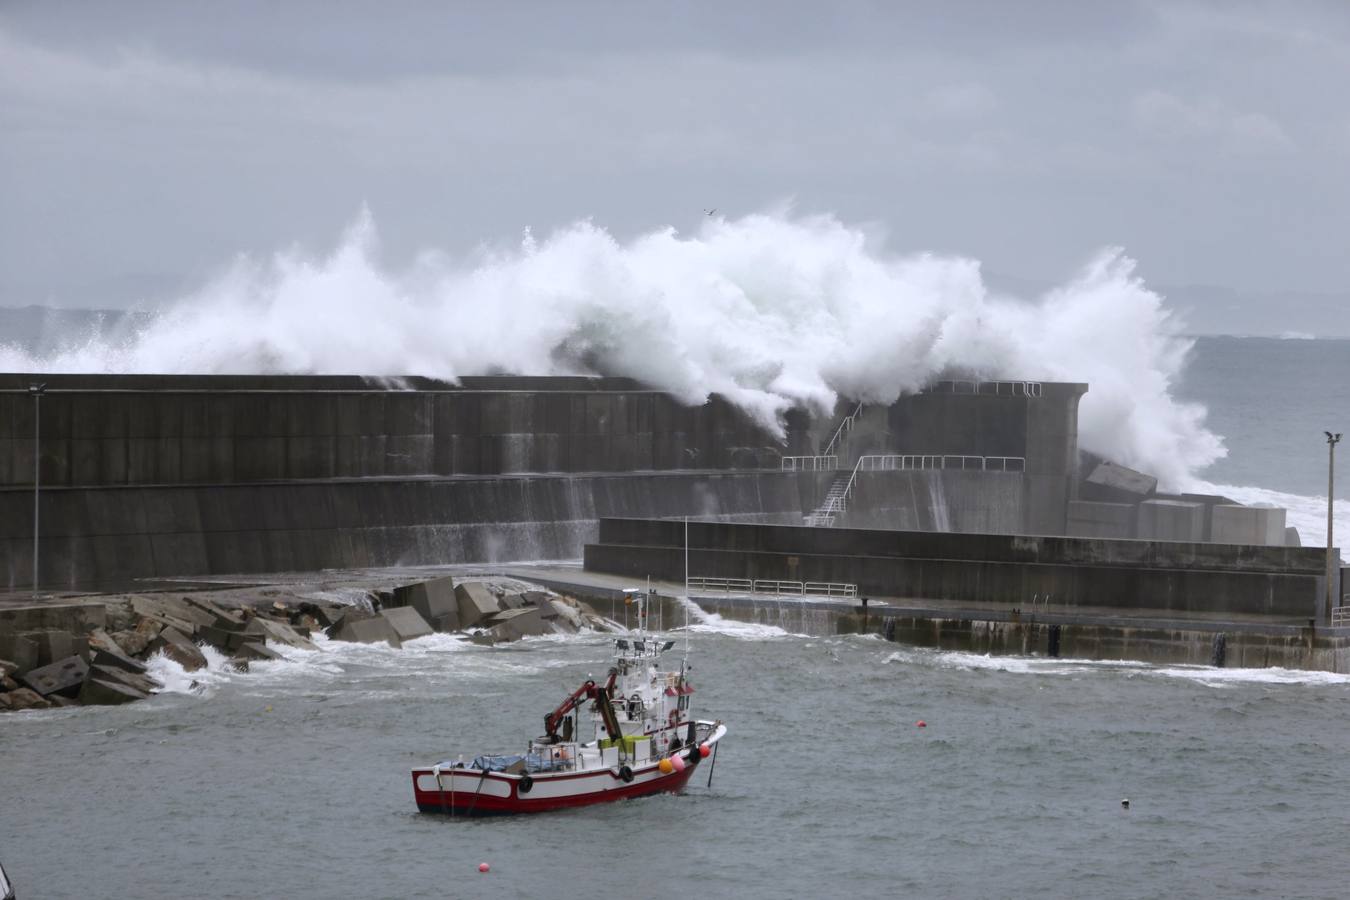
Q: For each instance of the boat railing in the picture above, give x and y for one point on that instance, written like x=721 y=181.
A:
x=773 y=587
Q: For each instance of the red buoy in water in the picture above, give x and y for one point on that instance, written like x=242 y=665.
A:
x=483 y=867
x=921 y=724
x=704 y=751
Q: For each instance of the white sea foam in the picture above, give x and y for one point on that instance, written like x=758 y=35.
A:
x=1306 y=513
x=1032 y=665
x=704 y=622
x=770 y=310
x=177 y=680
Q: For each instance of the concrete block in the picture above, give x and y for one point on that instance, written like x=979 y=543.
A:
x=407 y=623
x=115 y=659
x=1291 y=537
x=226 y=619
x=20 y=649
x=108 y=692
x=267 y=629
x=513 y=624
x=54 y=645
x=1171 y=520
x=560 y=612
x=224 y=641
x=1108 y=520
x=62 y=676
x=373 y=630
x=434 y=600
x=173 y=608
x=1257 y=525
x=514 y=601
x=76 y=618
x=137 y=681
x=1112 y=483
x=255 y=650
x=178 y=647
x=476 y=603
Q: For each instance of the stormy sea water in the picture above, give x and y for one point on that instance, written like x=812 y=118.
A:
x=1271 y=399
x=292 y=780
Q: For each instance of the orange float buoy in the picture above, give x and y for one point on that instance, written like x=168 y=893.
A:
x=483 y=867
x=666 y=766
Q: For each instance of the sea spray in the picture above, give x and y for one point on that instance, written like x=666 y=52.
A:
x=770 y=310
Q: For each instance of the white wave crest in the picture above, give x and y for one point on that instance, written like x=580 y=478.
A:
x=1306 y=513
x=1033 y=665
x=771 y=311
x=174 y=679
x=713 y=623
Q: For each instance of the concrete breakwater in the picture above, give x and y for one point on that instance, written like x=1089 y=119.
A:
x=95 y=652
x=1043 y=632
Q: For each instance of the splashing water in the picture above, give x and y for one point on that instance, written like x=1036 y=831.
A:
x=770 y=311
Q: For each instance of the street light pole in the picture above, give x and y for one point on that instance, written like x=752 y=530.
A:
x=36 y=390
x=1332 y=440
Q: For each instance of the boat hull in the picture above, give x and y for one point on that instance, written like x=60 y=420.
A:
x=472 y=792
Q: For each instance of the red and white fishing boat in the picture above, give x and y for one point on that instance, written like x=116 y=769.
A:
x=645 y=741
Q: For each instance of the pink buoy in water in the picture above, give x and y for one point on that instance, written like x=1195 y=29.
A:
x=921 y=724
x=483 y=867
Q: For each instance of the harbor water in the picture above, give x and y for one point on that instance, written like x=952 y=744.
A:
x=292 y=780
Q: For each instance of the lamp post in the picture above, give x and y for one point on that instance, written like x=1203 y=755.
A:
x=1332 y=440
x=36 y=390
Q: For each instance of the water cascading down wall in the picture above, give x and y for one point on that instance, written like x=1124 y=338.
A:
x=167 y=476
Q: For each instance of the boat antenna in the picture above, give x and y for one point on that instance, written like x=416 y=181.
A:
x=687 y=601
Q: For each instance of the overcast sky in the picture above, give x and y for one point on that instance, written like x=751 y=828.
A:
x=143 y=145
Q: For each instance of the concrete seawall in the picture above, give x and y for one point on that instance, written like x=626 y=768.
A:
x=1011 y=571
x=103 y=538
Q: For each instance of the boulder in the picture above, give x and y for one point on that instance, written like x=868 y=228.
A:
x=62 y=676
x=20 y=649
x=23 y=698
x=436 y=601
x=108 y=692
x=7 y=683
x=115 y=660
x=476 y=603
x=513 y=601
x=534 y=598
x=7 y=668
x=407 y=623
x=178 y=647
x=133 y=643
x=372 y=630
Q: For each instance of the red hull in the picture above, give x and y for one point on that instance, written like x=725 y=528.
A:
x=469 y=803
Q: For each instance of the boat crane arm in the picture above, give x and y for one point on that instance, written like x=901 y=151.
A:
x=554 y=719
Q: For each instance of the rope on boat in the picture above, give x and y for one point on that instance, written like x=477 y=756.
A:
x=436 y=770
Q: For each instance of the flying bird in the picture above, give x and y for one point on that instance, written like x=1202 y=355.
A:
x=711 y=212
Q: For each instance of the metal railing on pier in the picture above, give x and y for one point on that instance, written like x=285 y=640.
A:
x=810 y=463
x=773 y=587
x=1340 y=616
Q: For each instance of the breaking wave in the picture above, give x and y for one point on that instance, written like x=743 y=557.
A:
x=770 y=310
